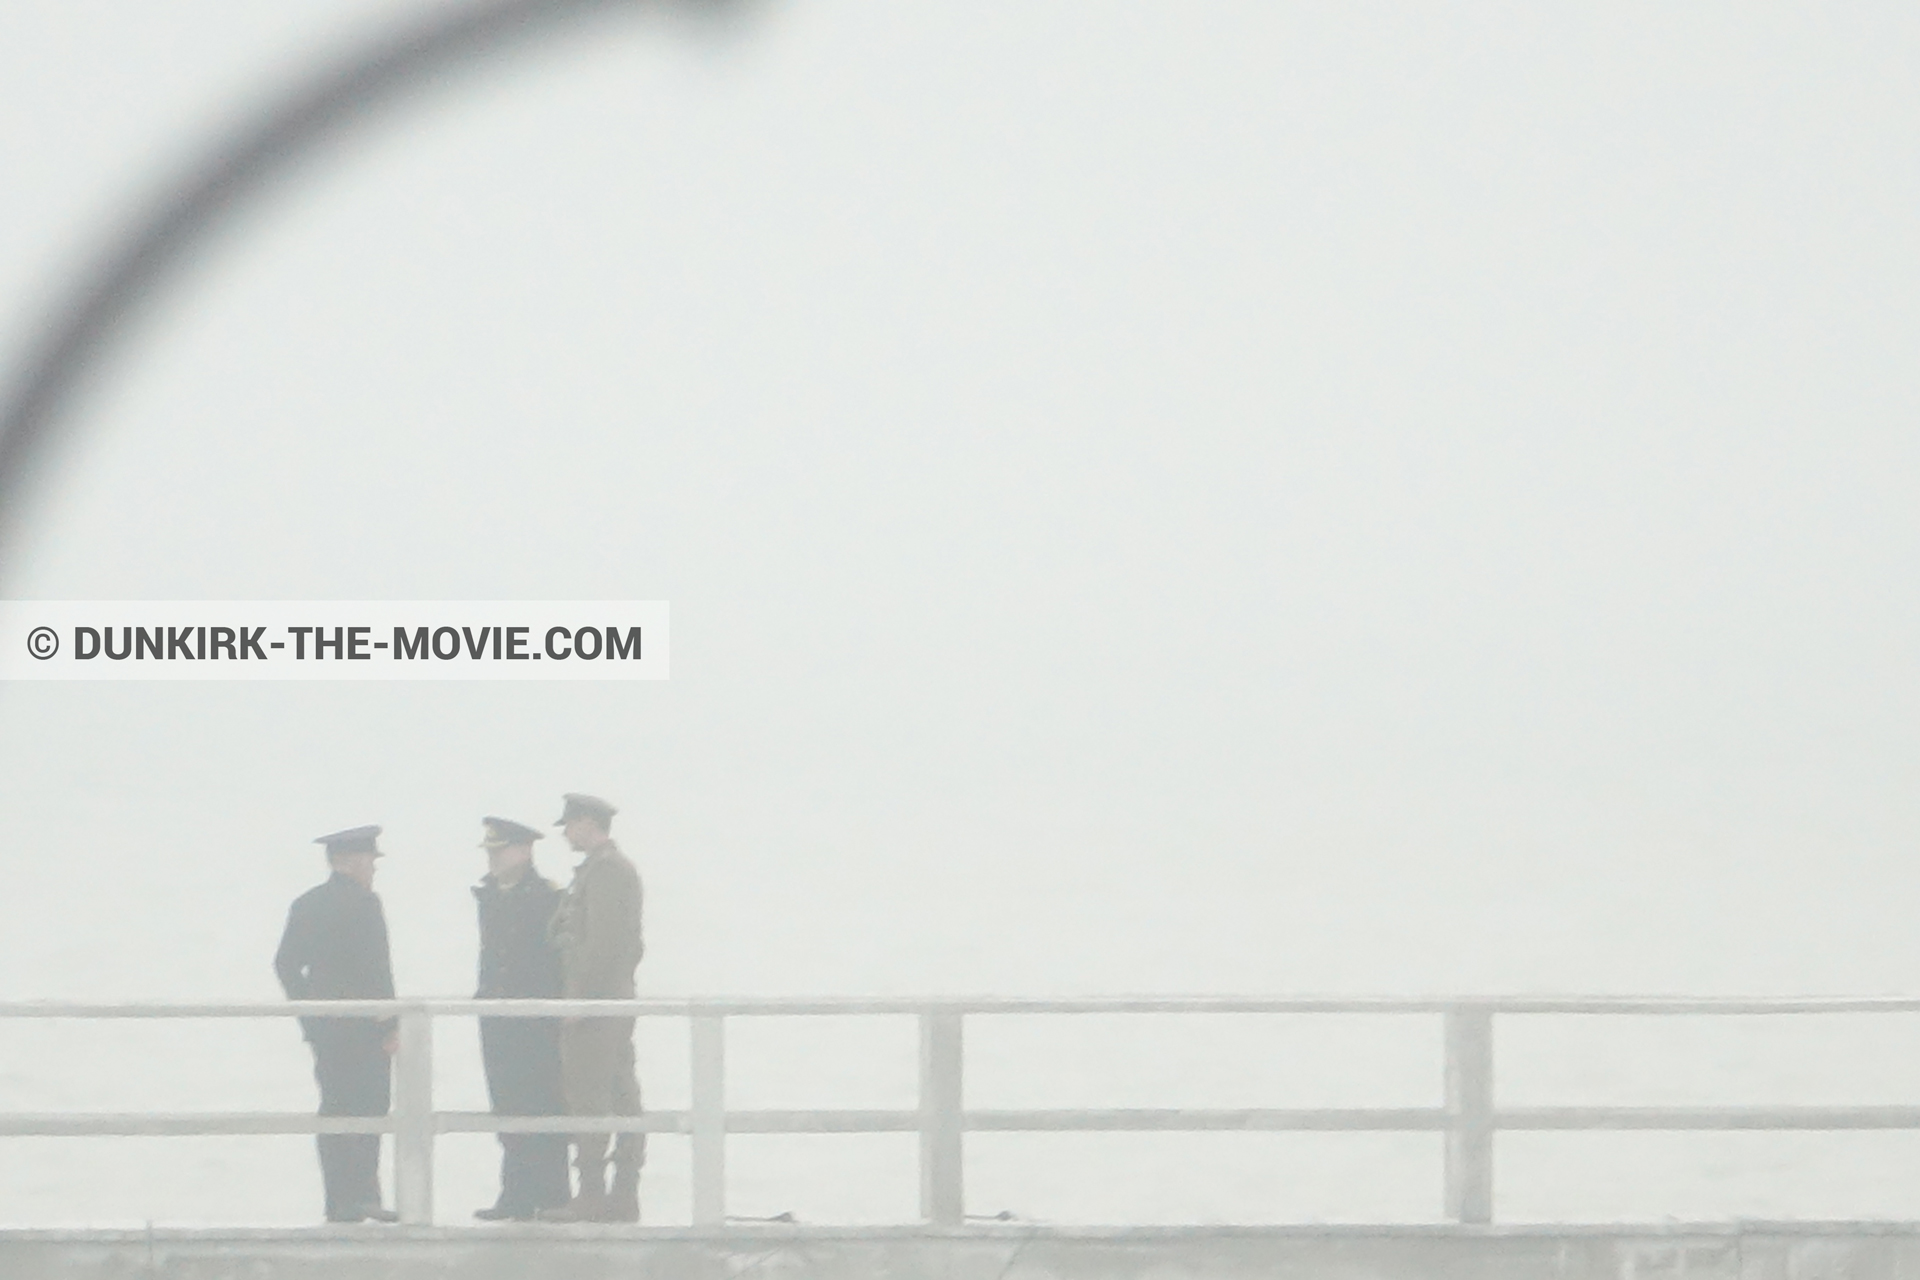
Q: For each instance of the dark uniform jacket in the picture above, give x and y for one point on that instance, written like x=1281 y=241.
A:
x=522 y=1055
x=517 y=958
x=335 y=948
x=597 y=928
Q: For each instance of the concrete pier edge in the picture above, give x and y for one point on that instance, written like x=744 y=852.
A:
x=1718 y=1250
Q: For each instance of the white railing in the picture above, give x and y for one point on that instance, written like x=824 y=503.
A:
x=1467 y=1116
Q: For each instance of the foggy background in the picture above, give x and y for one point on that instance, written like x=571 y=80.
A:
x=1240 y=498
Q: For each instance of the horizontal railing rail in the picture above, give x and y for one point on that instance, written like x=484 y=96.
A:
x=1467 y=1117
x=807 y=1006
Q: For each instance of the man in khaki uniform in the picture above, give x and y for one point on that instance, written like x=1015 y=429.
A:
x=597 y=932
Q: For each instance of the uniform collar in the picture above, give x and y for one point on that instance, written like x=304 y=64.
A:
x=344 y=880
x=598 y=854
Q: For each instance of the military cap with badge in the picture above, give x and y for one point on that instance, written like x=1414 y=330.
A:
x=500 y=833
x=352 y=840
x=579 y=805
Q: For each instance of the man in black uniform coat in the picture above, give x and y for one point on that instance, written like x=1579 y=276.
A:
x=522 y=1055
x=335 y=948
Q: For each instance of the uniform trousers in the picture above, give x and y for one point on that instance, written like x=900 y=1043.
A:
x=522 y=1060
x=597 y=1072
x=355 y=1077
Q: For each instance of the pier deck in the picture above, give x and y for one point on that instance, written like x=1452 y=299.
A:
x=1449 y=1251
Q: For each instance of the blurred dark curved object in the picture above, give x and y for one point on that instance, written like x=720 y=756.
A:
x=81 y=327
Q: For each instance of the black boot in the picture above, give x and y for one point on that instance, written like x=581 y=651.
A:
x=496 y=1212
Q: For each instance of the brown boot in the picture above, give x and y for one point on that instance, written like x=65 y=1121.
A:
x=623 y=1202
x=589 y=1204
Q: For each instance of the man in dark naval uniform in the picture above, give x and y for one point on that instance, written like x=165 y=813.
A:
x=521 y=1055
x=335 y=948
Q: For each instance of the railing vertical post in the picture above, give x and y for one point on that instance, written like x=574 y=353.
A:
x=413 y=1117
x=709 y=1120
x=942 y=1188
x=1469 y=1084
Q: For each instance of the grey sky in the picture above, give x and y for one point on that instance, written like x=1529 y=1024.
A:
x=1254 y=497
